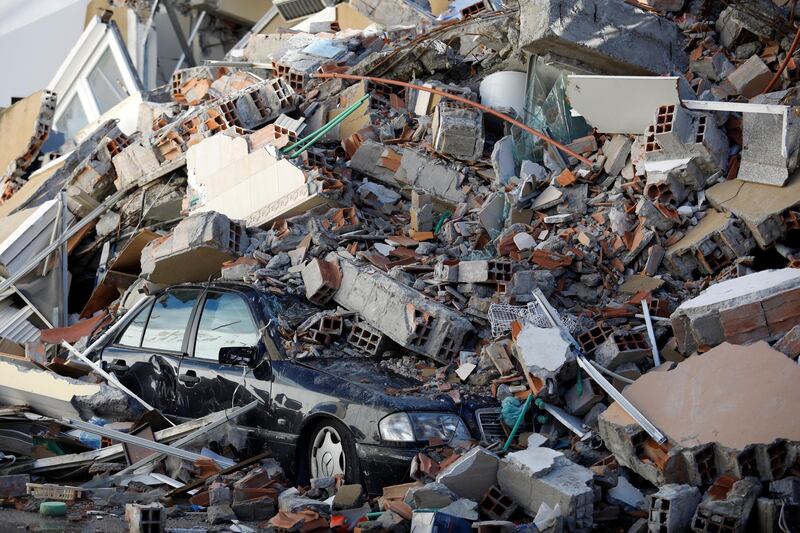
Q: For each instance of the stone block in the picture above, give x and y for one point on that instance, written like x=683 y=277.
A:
x=471 y=475
x=458 y=130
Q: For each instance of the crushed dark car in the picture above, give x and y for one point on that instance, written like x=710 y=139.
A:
x=195 y=349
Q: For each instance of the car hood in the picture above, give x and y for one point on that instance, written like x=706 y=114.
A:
x=379 y=381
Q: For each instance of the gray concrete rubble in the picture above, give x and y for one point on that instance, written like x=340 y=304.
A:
x=376 y=266
x=563 y=28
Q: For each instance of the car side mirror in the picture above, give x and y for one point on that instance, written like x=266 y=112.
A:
x=238 y=355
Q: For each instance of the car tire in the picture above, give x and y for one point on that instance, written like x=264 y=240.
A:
x=331 y=450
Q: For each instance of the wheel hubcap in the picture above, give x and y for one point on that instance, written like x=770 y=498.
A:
x=327 y=454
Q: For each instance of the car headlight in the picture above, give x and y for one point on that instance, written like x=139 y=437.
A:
x=410 y=427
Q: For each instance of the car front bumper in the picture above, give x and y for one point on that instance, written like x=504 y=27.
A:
x=383 y=466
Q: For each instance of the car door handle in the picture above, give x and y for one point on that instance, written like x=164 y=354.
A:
x=190 y=379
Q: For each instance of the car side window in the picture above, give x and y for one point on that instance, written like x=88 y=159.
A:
x=226 y=321
x=169 y=319
x=132 y=335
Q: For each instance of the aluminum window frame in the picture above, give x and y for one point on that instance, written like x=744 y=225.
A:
x=72 y=77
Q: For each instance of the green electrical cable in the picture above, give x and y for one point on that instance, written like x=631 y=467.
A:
x=440 y=223
x=303 y=144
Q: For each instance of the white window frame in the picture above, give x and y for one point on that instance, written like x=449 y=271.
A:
x=72 y=77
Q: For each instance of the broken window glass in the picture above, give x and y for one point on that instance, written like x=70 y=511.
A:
x=168 y=320
x=547 y=109
x=106 y=82
x=132 y=336
x=226 y=322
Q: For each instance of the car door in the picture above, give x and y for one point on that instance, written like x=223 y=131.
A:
x=225 y=319
x=146 y=355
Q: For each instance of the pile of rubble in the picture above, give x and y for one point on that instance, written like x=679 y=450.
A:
x=586 y=212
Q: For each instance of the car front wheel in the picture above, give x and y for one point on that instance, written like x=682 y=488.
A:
x=332 y=452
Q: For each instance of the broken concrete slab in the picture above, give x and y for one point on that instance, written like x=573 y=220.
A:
x=541 y=475
x=49 y=394
x=403 y=314
x=759 y=306
x=253 y=186
x=420 y=171
x=197 y=248
x=692 y=403
x=472 y=474
x=542 y=352
x=621 y=104
x=590 y=33
x=762 y=210
x=25 y=126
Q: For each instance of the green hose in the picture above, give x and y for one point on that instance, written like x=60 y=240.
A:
x=303 y=144
x=518 y=423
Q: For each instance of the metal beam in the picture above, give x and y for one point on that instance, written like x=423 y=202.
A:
x=144 y=443
x=176 y=25
x=110 y=378
x=41 y=256
x=192 y=35
x=223 y=417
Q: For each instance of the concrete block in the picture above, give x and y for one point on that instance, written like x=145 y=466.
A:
x=255 y=510
x=348 y=497
x=616 y=151
x=726 y=506
x=321 y=279
x=763 y=305
x=484 y=271
x=471 y=475
x=763 y=158
x=621 y=348
x=498 y=353
x=579 y=403
x=197 y=248
x=543 y=475
x=150 y=518
x=789 y=344
x=751 y=77
x=366 y=338
x=421 y=171
x=673 y=127
x=672 y=508
x=608 y=37
x=401 y=313
x=458 y=130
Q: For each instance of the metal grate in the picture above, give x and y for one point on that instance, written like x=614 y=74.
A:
x=292 y=9
x=501 y=316
x=489 y=424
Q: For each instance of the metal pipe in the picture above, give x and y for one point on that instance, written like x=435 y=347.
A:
x=467 y=101
x=118 y=324
x=784 y=63
x=621 y=400
x=144 y=443
x=96 y=212
x=650 y=333
x=110 y=378
x=64 y=286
